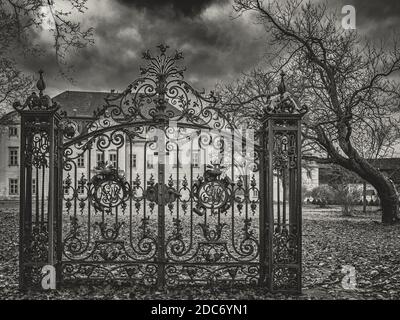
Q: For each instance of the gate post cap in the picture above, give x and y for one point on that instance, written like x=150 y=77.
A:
x=40 y=84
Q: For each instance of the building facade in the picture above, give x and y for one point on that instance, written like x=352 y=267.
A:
x=9 y=156
x=133 y=159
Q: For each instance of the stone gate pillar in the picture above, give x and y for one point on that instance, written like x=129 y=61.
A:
x=39 y=189
x=283 y=216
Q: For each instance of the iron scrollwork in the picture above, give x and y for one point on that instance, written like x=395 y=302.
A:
x=160 y=94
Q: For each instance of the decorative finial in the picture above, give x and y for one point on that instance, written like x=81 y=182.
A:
x=35 y=102
x=282 y=86
x=40 y=84
x=163 y=48
x=285 y=103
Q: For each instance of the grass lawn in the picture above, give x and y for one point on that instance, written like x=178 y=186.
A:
x=330 y=241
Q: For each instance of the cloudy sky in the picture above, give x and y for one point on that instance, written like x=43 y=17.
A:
x=217 y=47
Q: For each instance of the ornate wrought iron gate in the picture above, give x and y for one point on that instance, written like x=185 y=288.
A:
x=161 y=188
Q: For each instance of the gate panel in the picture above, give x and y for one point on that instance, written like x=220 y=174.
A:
x=190 y=216
x=168 y=207
x=211 y=226
x=111 y=204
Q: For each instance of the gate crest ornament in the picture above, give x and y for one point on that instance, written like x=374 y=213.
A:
x=212 y=192
x=108 y=189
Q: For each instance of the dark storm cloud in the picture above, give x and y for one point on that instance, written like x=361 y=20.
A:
x=214 y=49
x=189 y=8
x=215 y=46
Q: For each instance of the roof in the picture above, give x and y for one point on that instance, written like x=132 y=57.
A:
x=10 y=118
x=386 y=163
x=84 y=103
x=388 y=166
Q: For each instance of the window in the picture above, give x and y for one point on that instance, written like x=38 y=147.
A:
x=133 y=160
x=100 y=159
x=13 y=187
x=195 y=159
x=12 y=131
x=150 y=161
x=255 y=193
x=81 y=161
x=13 y=156
x=33 y=186
x=113 y=159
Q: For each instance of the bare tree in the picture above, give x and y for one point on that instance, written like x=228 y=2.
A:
x=13 y=84
x=20 y=20
x=20 y=23
x=348 y=84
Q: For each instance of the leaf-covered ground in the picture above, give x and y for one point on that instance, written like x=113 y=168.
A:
x=330 y=242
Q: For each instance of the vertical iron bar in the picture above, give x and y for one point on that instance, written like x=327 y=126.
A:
x=22 y=207
x=299 y=207
x=59 y=206
x=263 y=209
x=161 y=208
x=28 y=222
x=284 y=172
x=51 y=185
x=270 y=204
x=278 y=198
x=43 y=197
x=177 y=178
x=37 y=194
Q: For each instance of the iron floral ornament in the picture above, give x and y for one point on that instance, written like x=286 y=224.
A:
x=159 y=94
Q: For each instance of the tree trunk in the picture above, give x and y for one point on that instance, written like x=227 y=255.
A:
x=389 y=205
x=388 y=196
x=387 y=192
